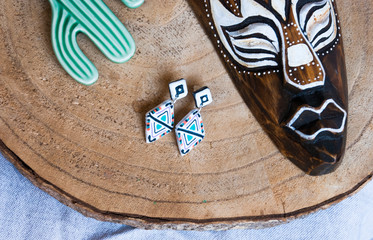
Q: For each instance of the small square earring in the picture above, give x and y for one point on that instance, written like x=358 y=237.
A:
x=160 y=120
x=190 y=130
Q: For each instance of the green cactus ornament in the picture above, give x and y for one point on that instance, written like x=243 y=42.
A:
x=94 y=19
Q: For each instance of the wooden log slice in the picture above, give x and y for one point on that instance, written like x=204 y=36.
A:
x=85 y=145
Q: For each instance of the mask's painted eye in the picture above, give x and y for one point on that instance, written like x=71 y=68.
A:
x=255 y=42
x=318 y=22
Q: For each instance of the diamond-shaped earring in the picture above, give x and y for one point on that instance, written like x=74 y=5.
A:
x=160 y=120
x=190 y=130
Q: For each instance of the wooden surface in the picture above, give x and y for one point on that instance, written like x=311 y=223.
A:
x=85 y=145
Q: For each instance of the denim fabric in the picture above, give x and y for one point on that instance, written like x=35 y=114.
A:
x=28 y=213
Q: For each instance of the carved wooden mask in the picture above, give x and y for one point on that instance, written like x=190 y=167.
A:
x=286 y=59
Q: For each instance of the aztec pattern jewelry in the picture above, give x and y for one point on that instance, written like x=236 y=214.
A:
x=190 y=130
x=160 y=120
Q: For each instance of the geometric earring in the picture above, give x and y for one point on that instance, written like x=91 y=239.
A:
x=160 y=120
x=190 y=130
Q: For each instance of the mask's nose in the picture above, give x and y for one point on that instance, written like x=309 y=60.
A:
x=299 y=55
x=302 y=67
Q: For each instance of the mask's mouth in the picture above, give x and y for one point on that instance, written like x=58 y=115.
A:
x=308 y=122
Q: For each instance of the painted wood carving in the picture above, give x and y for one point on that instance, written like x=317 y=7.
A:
x=286 y=59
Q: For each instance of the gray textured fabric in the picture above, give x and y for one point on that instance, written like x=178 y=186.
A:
x=28 y=213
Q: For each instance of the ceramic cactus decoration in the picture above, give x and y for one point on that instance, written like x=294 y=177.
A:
x=286 y=58
x=94 y=19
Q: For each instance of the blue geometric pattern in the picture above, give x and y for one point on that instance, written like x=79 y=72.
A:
x=189 y=131
x=159 y=121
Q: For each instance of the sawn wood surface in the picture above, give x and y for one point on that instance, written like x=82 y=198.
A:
x=85 y=146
